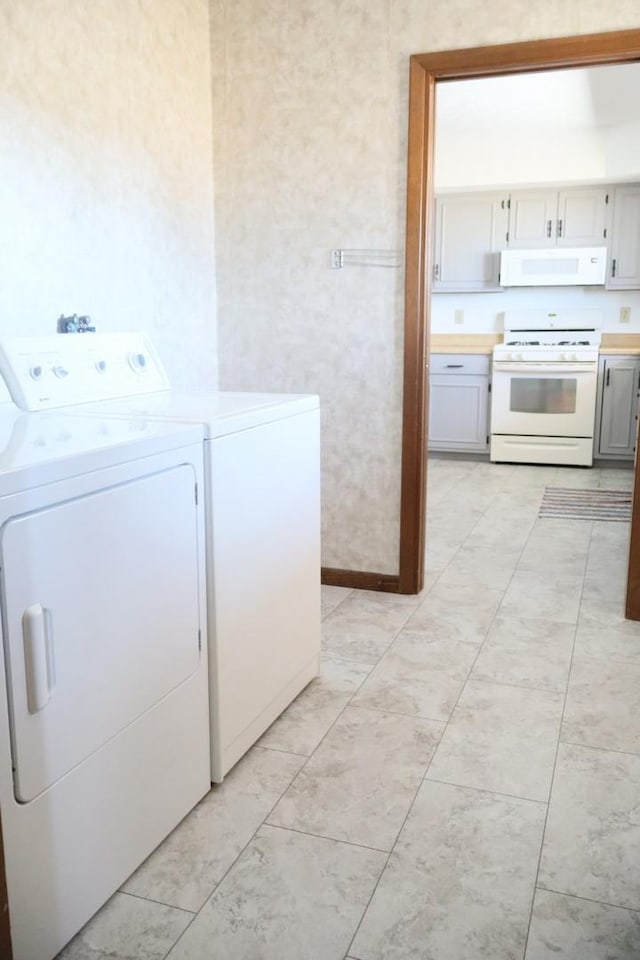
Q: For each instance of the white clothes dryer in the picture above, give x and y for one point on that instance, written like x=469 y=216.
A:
x=262 y=508
x=104 y=742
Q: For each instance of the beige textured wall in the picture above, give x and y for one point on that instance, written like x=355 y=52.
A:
x=310 y=107
x=106 y=185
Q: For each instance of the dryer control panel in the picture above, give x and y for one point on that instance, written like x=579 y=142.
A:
x=57 y=371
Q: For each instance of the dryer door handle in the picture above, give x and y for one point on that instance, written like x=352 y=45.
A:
x=38 y=656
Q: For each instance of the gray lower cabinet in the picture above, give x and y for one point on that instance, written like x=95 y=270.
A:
x=459 y=402
x=618 y=391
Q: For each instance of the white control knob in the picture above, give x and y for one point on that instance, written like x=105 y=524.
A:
x=138 y=362
x=35 y=372
x=101 y=366
x=60 y=372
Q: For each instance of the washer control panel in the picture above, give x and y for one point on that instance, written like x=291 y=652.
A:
x=65 y=369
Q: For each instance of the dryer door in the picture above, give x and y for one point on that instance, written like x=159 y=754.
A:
x=100 y=618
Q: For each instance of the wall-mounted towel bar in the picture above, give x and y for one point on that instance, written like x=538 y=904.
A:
x=365 y=258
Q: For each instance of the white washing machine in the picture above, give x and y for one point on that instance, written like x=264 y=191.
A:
x=262 y=503
x=104 y=742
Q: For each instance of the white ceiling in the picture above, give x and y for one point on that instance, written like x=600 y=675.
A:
x=595 y=97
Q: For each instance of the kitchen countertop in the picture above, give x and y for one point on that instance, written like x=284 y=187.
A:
x=613 y=344
x=620 y=344
x=464 y=342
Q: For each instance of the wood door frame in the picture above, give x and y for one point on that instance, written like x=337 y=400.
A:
x=426 y=70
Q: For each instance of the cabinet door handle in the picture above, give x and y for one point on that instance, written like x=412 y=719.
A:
x=436 y=271
x=613 y=267
x=454 y=366
x=608 y=378
x=559 y=228
x=549 y=227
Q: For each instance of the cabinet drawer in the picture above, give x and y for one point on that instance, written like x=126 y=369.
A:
x=456 y=364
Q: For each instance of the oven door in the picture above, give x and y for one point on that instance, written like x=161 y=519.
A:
x=544 y=399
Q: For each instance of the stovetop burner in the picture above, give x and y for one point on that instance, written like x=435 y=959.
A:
x=548 y=343
x=532 y=336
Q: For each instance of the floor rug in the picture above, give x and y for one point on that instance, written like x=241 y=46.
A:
x=576 y=504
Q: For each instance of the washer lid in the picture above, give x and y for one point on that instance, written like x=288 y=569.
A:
x=38 y=448
x=220 y=413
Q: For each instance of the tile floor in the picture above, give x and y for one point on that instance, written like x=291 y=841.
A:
x=461 y=783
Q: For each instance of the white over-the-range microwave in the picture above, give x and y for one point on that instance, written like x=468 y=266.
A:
x=553 y=267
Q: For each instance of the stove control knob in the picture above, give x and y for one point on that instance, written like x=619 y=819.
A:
x=101 y=366
x=35 y=372
x=60 y=372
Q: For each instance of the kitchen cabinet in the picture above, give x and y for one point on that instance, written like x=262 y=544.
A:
x=624 y=260
x=459 y=402
x=558 y=218
x=617 y=404
x=470 y=232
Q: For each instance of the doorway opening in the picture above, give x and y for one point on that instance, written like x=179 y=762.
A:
x=426 y=70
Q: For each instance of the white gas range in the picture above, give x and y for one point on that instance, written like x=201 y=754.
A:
x=544 y=384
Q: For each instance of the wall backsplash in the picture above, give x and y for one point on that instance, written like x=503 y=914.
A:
x=310 y=120
x=106 y=186
x=482 y=312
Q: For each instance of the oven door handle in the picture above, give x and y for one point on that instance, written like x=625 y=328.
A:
x=588 y=367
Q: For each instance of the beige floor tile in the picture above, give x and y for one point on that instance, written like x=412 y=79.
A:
x=496 y=530
x=565 y=928
x=361 y=781
x=501 y=738
x=440 y=551
x=607 y=561
x=603 y=705
x=559 y=551
x=289 y=897
x=616 y=478
x=305 y=722
x=543 y=595
x=459 y=883
x=615 y=641
x=420 y=674
x=128 y=927
x=527 y=653
x=331 y=597
x=184 y=870
x=459 y=611
x=483 y=567
x=364 y=625
x=592 y=839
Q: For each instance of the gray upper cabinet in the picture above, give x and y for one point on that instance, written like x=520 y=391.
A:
x=565 y=218
x=618 y=406
x=471 y=229
x=470 y=232
x=532 y=220
x=624 y=259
